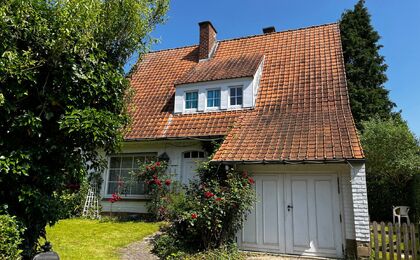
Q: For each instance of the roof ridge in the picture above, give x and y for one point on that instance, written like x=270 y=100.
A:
x=249 y=36
x=289 y=30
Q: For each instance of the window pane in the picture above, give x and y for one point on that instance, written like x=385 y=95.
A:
x=127 y=162
x=239 y=91
x=194 y=154
x=113 y=175
x=233 y=92
x=115 y=162
x=112 y=187
x=210 y=94
x=187 y=155
x=137 y=188
x=232 y=101
x=201 y=154
x=195 y=104
x=217 y=102
x=239 y=101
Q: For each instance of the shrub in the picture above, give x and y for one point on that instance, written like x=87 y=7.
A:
x=211 y=212
x=73 y=199
x=158 y=185
x=393 y=159
x=10 y=237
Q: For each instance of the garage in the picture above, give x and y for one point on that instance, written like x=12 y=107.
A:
x=295 y=214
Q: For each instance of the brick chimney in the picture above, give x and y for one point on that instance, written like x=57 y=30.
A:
x=207 y=40
x=270 y=29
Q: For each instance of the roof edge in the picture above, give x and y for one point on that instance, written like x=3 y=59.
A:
x=320 y=161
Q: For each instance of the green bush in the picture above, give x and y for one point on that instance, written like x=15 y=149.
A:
x=73 y=200
x=393 y=160
x=210 y=213
x=159 y=186
x=10 y=237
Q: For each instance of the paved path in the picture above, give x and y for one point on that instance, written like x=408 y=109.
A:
x=139 y=250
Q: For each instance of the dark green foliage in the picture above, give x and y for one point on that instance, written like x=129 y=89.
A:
x=10 y=240
x=393 y=159
x=365 y=67
x=62 y=96
x=210 y=212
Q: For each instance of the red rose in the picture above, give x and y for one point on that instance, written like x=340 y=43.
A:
x=251 y=180
x=168 y=182
x=194 y=216
x=158 y=182
x=155 y=177
x=153 y=168
x=219 y=199
x=208 y=194
x=157 y=163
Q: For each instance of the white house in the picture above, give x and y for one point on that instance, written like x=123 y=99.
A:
x=281 y=104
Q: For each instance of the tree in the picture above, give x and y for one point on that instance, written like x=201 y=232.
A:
x=64 y=96
x=365 y=67
x=393 y=158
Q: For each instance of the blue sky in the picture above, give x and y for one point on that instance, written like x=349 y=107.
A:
x=398 y=22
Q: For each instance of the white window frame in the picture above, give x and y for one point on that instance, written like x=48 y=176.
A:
x=229 y=96
x=107 y=175
x=191 y=110
x=207 y=99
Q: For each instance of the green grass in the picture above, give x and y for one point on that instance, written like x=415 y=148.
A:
x=93 y=239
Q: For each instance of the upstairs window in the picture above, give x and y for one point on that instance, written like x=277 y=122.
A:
x=235 y=96
x=191 y=100
x=213 y=98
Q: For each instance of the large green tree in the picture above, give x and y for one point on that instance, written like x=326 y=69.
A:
x=365 y=66
x=393 y=159
x=63 y=92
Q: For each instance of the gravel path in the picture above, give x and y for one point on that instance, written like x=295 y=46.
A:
x=139 y=250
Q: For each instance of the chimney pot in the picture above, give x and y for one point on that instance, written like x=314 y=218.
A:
x=270 y=29
x=207 y=40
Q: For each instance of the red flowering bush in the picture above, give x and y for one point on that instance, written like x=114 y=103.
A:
x=158 y=187
x=212 y=211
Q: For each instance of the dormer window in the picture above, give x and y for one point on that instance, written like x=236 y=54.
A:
x=236 y=97
x=213 y=98
x=191 y=100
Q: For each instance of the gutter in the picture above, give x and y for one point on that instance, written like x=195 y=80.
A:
x=324 y=161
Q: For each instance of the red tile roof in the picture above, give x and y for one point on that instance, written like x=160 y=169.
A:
x=240 y=66
x=302 y=110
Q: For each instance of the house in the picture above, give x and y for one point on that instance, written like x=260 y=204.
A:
x=281 y=104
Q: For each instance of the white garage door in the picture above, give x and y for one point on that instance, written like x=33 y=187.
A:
x=295 y=214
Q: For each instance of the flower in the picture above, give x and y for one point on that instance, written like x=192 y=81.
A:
x=208 y=194
x=168 y=182
x=158 y=182
x=194 y=216
x=155 y=177
x=251 y=180
x=219 y=199
x=157 y=163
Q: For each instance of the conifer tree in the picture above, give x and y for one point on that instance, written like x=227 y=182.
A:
x=365 y=66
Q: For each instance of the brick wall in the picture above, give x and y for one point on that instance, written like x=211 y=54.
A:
x=360 y=203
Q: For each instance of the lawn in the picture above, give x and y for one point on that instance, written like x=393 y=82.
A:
x=93 y=239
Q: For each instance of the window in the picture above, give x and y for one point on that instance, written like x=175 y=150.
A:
x=119 y=177
x=191 y=100
x=213 y=98
x=236 y=96
x=193 y=154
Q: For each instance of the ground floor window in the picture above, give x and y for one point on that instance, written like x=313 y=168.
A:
x=119 y=177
